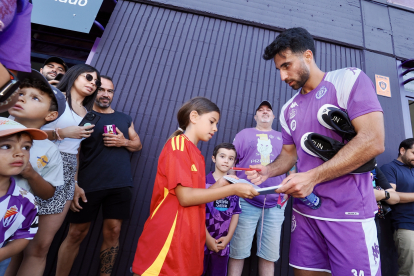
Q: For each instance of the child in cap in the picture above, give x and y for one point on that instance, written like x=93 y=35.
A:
x=40 y=103
x=222 y=215
x=18 y=212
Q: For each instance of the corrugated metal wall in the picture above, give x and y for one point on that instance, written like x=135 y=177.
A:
x=159 y=58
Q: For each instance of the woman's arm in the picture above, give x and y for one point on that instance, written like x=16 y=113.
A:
x=193 y=196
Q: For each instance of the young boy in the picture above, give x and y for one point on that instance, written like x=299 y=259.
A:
x=17 y=207
x=221 y=215
x=38 y=104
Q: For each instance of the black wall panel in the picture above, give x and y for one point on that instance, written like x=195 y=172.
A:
x=159 y=58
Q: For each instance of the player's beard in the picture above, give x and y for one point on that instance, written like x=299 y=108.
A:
x=303 y=77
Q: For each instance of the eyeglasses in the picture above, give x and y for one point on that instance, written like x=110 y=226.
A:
x=89 y=77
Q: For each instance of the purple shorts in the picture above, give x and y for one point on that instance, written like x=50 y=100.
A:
x=342 y=248
x=214 y=264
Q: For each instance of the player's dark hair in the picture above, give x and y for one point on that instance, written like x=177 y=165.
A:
x=406 y=144
x=298 y=40
x=43 y=88
x=65 y=85
x=228 y=146
x=200 y=104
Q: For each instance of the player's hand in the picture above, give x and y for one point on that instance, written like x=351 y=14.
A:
x=114 y=140
x=258 y=177
x=76 y=132
x=79 y=193
x=222 y=242
x=244 y=190
x=298 y=185
x=211 y=244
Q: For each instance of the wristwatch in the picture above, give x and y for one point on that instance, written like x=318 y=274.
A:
x=387 y=196
x=9 y=88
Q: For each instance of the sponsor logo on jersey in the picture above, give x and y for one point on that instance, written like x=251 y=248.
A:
x=293 y=125
x=292 y=113
x=278 y=138
x=42 y=161
x=10 y=216
x=294 y=104
x=375 y=252
x=322 y=91
x=352 y=213
x=293 y=226
x=193 y=168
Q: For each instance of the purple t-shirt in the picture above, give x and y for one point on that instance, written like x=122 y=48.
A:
x=349 y=197
x=218 y=215
x=259 y=147
x=15 y=40
x=18 y=214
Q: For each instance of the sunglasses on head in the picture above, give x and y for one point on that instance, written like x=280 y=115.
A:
x=89 y=77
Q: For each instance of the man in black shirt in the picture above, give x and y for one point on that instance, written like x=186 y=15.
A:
x=105 y=180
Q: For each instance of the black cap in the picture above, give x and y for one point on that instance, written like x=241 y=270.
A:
x=57 y=60
x=60 y=98
x=264 y=103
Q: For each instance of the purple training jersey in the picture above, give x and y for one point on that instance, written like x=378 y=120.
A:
x=218 y=215
x=18 y=214
x=259 y=147
x=349 y=197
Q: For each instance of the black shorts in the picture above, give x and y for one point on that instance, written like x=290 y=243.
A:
x=116 y=204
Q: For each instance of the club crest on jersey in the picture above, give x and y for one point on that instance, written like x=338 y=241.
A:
x=293 y=125
x=322 y=91
x=10 y=216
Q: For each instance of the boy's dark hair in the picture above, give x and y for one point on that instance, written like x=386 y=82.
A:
x=39 y=85
x=228 y=146
x=19 y=135
x=406 y=144
x=298 y=40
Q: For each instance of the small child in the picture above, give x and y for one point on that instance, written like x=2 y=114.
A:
x=18 y=212
x=174 y=236
x=40 y=103
x=222 y=215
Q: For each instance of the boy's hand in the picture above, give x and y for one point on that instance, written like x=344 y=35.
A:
x=244 y=190
x=211 y=244
x=27 y=171
x=115 y=140
x=76 y=132
x=222 y=242
x=79 y=192
x=256 y=177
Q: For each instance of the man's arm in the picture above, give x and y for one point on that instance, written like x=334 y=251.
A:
x=404 y=197
x=368 y=143
x=118 y=140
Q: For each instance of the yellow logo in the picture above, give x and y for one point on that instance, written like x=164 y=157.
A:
x=193 y=168
x=42 y=161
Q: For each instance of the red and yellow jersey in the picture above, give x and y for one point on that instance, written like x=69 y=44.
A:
x=172 y=242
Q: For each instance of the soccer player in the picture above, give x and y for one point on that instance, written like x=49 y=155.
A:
x=339 y=238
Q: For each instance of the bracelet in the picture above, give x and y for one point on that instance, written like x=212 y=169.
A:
x=57 y=134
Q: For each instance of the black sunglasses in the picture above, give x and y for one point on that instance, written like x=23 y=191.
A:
x=89 y=77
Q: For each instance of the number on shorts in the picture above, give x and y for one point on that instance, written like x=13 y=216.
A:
x=355 y=272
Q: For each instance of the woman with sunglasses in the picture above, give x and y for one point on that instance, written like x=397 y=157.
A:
x=81 y=84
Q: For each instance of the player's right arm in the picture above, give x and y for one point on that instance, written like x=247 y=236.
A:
x=282 y=164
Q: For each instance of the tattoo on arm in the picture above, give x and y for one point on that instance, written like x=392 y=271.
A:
x=108 y=257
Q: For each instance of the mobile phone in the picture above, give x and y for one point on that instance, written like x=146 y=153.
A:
x=59 y=76
x=89 y=119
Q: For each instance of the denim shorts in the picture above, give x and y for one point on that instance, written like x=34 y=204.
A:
x=268 y=238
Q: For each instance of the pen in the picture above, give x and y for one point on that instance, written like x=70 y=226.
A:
x=245 y=169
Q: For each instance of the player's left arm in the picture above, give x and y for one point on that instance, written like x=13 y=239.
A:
x=118 y=140
x=368 y=143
